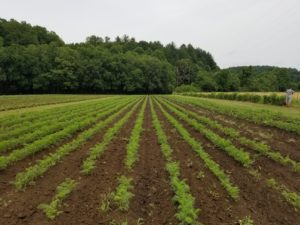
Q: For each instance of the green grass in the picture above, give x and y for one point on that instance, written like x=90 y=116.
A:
x=10 y=102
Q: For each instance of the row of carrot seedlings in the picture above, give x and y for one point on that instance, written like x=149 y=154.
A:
x=43 y=143
x=293 y=198
x=233 y=134
x=33 y=172
x=64 y=189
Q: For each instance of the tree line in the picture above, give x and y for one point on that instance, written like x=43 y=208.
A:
x=245 y=78
x=35 y=60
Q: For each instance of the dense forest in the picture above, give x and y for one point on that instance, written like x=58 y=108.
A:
x=35 y=60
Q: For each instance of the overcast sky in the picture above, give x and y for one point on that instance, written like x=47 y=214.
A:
x=235 y=32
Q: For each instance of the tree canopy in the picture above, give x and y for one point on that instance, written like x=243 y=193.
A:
x=35 y=60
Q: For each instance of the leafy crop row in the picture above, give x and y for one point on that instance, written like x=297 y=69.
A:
x=30 y=174
x=96 y=151
x=121 y=197
x=47 y=141
x=234 y=134
x=10 y=122
x=209 y=162
x=62 y=192
x=23 y=129
x=265 y=116
x=133 y=144
x=292 y=198
x=53 y=126
x=238 y=154
x=187 y=213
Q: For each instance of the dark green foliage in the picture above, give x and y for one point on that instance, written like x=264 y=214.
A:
x=34 y=60
x=13 y=32
x=272 y=99
x=186 y=88
x=227 y=81
x=266 y=78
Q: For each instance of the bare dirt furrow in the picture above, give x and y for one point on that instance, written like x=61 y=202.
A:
x=153 y=195
x=283 y=173
x=285 y=142
x=8 y=175
x=23 y=206
x=211 y=198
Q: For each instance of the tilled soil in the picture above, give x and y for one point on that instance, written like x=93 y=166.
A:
x=285 y=142
x=22 y=205
x=265 y=205
x=152 y=203
x=283 y=173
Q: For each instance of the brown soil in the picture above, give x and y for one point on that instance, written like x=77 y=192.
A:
x=152 y=202
x=22 y=207
x=265 y=205
x=153 y=194
x=279 y=140
x=283 y=173
x=8 y=175
x=211 y=198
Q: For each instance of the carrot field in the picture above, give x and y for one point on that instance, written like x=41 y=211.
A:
x=152 y=160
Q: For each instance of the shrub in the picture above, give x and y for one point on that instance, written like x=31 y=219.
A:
x=186 y=88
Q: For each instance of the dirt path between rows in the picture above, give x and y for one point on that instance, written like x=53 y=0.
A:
x=285 y=142
x=283 y=173
x=8 y=175
x=211 y=198
x=153 y=194
x=266 y=205
x=23 y=207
